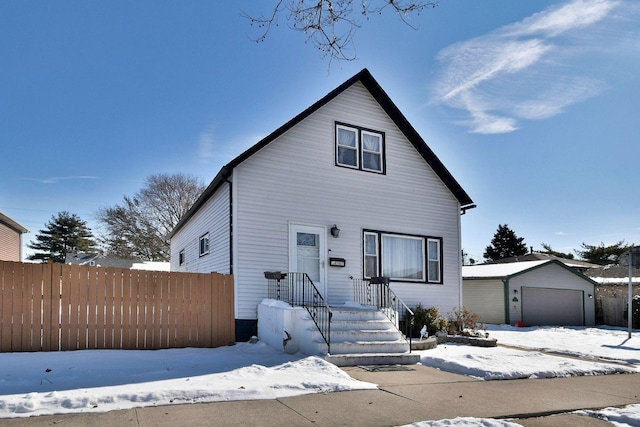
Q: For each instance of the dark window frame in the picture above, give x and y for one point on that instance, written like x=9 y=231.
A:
x=359 y=148
x=204 y=244
x=425 y=240
x=181 y=257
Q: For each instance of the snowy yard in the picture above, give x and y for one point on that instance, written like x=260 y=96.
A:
x=105 y=380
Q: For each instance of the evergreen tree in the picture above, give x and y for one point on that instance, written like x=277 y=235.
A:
x=64 y=234
x=549 y=251
x=603 y=255
x=505 y=244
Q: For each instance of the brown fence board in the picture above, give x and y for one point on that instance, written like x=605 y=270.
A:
x=26 y=317
x=51 y=307
x=7 y=309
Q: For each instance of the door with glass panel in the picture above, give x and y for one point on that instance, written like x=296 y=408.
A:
x=307 y=253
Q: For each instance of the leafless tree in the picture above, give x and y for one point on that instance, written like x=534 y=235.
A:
x=330 y=25
x=139 y=227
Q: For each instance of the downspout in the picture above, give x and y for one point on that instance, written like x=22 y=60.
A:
x=460 y=282
x=230 y=225
x=507 y=315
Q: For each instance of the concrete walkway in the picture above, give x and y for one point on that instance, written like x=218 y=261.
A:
x=403 y=397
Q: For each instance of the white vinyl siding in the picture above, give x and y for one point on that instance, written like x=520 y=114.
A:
x=294 y=179
x=213 y=218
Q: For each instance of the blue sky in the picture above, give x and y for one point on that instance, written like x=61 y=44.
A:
x=533 y=106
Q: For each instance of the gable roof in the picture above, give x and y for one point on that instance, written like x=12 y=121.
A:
x=367 y=80
x=538 y=256
x=512 y=269
x=12 y=223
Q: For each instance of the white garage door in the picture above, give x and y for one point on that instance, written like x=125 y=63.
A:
x=543 y=306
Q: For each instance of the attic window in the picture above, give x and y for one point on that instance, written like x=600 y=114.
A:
x=359 y=148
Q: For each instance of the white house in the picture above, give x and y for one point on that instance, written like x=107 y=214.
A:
x=531 y=292
x=345 y=190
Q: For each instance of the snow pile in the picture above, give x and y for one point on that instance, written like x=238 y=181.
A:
x=77 y=381
x=603 y=343
x=103 y=380
x=500 y=363
x=465 y=422
x=621 y=417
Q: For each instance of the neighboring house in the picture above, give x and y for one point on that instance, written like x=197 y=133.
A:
x=97 y=260
x=530 y=292
x=347 y=189
x=11 y=232
x=612 y=293
x=581 y=266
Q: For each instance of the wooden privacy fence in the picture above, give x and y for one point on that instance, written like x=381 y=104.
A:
x=51 y=307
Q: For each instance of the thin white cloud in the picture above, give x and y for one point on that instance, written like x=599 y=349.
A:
x=536 y=68
x=206 y=144
x=560 y=233
x=56 y=179
x=210 y=146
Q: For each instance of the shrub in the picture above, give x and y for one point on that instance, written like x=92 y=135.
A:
x=463 y=321
x=430 y=317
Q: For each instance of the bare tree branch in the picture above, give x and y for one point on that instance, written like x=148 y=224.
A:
x=330 y=25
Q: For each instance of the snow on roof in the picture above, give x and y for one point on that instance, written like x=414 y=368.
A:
x=615 y=280
x=499 y=270
x=151 y=266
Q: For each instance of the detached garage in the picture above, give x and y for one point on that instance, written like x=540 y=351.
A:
x=533 y=292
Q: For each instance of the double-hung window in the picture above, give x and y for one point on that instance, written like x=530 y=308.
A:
x=204 y=244
x=402 y=257
x=359 y=148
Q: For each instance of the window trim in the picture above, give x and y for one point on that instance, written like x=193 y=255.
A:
x=359 y=148
x=203 y=250
x=181 y=257
x=376 y=236
x=425 y=242
x=438 y=260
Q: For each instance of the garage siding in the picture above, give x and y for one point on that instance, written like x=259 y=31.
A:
x=551 y=276
x=486 y=299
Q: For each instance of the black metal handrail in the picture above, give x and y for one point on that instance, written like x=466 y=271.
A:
x=297 y=289
x=376 y=292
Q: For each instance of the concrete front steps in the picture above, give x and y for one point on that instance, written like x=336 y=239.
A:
x=364 y=336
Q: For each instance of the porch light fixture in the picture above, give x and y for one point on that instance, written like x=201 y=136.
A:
x=335 y=231
x=590 y=296
x=515 y=291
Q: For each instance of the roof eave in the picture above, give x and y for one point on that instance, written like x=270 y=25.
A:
x=365 y=77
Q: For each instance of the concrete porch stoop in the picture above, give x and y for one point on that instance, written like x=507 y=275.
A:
x=364 y=336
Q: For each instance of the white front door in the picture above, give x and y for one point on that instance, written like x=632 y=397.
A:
x=308 y=254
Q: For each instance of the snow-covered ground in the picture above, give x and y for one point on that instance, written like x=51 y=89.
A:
x=600 y=351
x=105 y=380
